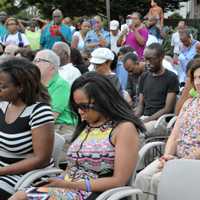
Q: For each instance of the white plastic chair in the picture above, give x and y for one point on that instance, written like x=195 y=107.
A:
x=31 y=176
x=165 y=122
x=164 y=118
x=105 y=195
x=180 y=180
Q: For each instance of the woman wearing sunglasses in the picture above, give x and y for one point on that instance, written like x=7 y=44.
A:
x=104 y=150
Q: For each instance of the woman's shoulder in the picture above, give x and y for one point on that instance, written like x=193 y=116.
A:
x=187 y=104
x=124 y=131
x=189 y=100
x=38 y=107
x=40 y=113
x=41 y=105
x=125 y=127
x=126 y=124
x=76 y=33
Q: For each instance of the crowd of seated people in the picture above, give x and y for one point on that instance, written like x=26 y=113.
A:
x=101 y=91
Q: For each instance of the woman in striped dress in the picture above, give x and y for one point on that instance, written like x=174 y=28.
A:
x=104 y=150
x=26 y=123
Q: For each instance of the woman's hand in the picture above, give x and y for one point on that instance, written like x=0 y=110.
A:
x=163 y=159
x=55 y=182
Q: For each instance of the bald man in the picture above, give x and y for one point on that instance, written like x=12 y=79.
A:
x=10 y=50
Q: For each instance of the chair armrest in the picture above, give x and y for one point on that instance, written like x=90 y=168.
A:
x=163 y=117
x=125 y=193
x=110 y=192
x=171 y=122
x=144 y=150
x=30 y=177
x=147 y=147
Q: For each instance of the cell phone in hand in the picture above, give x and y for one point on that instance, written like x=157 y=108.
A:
x=54 y=29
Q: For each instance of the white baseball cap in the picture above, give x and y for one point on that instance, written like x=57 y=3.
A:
x=114 y=25
x=101 y=55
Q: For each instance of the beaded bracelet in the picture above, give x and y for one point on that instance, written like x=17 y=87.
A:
x=88 y=185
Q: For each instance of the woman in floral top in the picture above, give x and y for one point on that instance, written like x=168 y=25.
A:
x=183 y=143
x=104 y=150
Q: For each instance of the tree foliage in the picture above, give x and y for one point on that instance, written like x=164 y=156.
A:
x=85 y=7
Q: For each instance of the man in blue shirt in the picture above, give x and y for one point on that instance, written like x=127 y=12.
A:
x=187 y=53
x=55 y=31
x=97 y=37
x=3 y=30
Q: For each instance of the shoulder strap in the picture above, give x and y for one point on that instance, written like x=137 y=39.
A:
x=19 y=37
x=5 y=37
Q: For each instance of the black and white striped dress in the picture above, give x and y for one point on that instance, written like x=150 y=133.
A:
x=16 y=137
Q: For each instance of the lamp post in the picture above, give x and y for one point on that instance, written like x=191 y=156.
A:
x=108 y=11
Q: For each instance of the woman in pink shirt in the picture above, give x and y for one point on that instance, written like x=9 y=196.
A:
x=137 y=35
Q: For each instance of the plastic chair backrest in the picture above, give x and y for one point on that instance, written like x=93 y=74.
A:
x=141 y=155
x=59 y=142
x=180 y=180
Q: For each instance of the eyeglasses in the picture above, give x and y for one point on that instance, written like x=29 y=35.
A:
x=85 y=106
x=58 y=16
x=97 y=66
x=37 y=60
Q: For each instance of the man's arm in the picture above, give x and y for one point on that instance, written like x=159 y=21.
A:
x=169 y=106
x=161 y=17
x=140 y=107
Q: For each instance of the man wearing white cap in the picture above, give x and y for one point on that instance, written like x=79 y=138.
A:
x=114 y=35
x=102 y=59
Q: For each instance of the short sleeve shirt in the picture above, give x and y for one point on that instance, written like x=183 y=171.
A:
x=59 y=91
x=131 y=41
x=15 y=39
x=155 y=90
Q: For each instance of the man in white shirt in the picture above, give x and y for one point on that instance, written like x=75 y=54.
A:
x=13 y=36
x=151 y=39
x=175 y=40
x=68 y=21
x=67 y=71
x=114 y=35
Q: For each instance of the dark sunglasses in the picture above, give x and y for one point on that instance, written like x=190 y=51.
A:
x=85 y=106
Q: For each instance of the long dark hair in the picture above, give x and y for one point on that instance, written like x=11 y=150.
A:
x=27 y=76
x=76 y=57
x=107 y=100
x=194 y=66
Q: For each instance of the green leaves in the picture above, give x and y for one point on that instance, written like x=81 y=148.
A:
x=84 y=7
